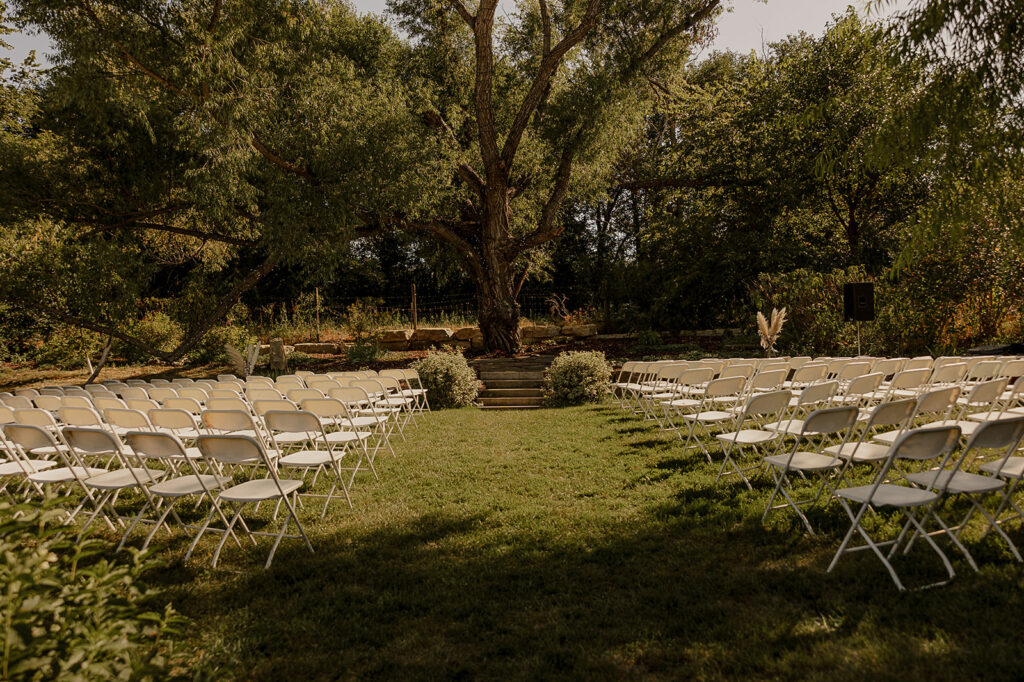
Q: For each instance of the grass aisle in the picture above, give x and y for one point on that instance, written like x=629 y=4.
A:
x=580 y=543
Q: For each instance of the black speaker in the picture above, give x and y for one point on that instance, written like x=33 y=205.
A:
x=859 y=301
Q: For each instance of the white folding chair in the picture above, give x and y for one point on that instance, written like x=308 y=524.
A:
x=759 y=408
x=233 y=450
x=324 y=454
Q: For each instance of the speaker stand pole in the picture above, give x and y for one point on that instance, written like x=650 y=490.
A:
x=858 y=337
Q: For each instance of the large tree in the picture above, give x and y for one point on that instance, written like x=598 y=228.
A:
x=535 y=110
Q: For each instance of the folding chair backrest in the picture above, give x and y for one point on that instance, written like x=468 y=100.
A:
x=136 y=382
x=162 y=393
x=91 y=441
x=853 y=370
x=96 y=388
x=818 y=393
x=799 y=361
x=80 y=416
x=254 y=394
x=6 y=415
x=228 y=420
x=77 y=401
x=715 y=365
x=261 y=407
x=390 y=384
x=888 y=366
x=920 y=362
x=831 y=420
x=253 y=380
x=195 y=393
x=160 y=382
x=50 y=403
x=937 y=402
x=293 y=421
x=1012 y=369
x=326 y=407
x=17 y=402
x=949 y=373
x=742 y=371
x=231 y=449
x=926 y=443
x=183 y=381
x=155 y=445
x=892 y=413
x=983 y=371
x=127 y=419
x=393 y=373
x=997 y=435
x=171 y=418
x=987 y=392
x=322 y=384
x=911 y=378
x=349 y=395
x=221 y=393
x=768 y=381
x=142 y=405
x=726 y=386
x=235 y=403
x=695 y=376
x=102 y=403
x=762 y=404
x=864 y=384
x=187 y=404
x=304 y=373
x=297 y=395
x=32 y=416
x=54 y=391
x=29 y=436
x=134 y=393
x=371 y=386
x=287 y=383
x=810 y=373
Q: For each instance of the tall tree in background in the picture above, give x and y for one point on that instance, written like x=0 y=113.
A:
x=535 y=110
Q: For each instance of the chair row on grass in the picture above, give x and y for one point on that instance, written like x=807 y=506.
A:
x=865 y=441
x=228 y=453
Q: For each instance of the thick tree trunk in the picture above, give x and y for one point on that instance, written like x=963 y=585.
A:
x=497 y=306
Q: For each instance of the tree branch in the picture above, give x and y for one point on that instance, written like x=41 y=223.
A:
x=548 y=67
x=160 y=227
x=465 y=171
x=450 y=234
x=548 y=228
x=687 y=183
x=463 y=12
x=282 y=162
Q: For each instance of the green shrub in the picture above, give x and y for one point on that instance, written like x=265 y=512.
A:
x=448 y=378
x=69 y=613
x=66 y=348
x=577 y=377
x=211 y=348
x=157 y=330
x=361 y=352
x=648 y=337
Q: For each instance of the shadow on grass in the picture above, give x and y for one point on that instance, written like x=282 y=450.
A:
x=705 y=593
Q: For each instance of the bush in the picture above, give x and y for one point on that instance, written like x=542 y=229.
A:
x=448 y=378
x=577 y=377
x=648 y=337
x=211 y=348
x=157 y=330
x=71 y=615
x=66 y=348
x=362 y=352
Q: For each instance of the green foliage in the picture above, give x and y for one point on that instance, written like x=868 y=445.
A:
x=157 y=330
x=648 y=337
x=67 y=347
x=71 y=614
x=364 y=323
x=363 y=352
x=448 y=378
x=211 y=348
x=576 y=378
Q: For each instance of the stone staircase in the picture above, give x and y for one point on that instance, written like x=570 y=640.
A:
x=512 y=383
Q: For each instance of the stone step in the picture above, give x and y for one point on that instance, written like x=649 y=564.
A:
x=512 y=402
x=510 y=407
x=511 y=392
x=514 y=383
x=486 y=376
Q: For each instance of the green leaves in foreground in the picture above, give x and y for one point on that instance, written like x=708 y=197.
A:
x=68 y=612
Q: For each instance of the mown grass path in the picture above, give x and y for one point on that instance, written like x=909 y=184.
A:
x=581 y=543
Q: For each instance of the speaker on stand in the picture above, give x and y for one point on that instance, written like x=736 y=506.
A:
x=859 y=304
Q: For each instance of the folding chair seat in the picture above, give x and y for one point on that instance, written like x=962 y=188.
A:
x=164 y=447
x=916 y=504
x=932 y=407
x=834 y=421
x=759 y=408
x=232 y=450
x=812 y=397
x=18 y=466
x=707 y=414
x=1004 y=435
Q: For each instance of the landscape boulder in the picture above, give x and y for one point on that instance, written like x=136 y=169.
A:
x=580 y=331
x=396 y=339
x=317 y=348
x=278 y=356
x=539 y=332
x=425 y=338
x=466 y=333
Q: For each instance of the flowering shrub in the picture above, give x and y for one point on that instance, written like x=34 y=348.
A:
x=448 y=378
x=577 y=377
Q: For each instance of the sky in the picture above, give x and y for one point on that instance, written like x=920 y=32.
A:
x=750 y=25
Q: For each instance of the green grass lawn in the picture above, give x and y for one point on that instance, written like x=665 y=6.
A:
x=580 y=543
